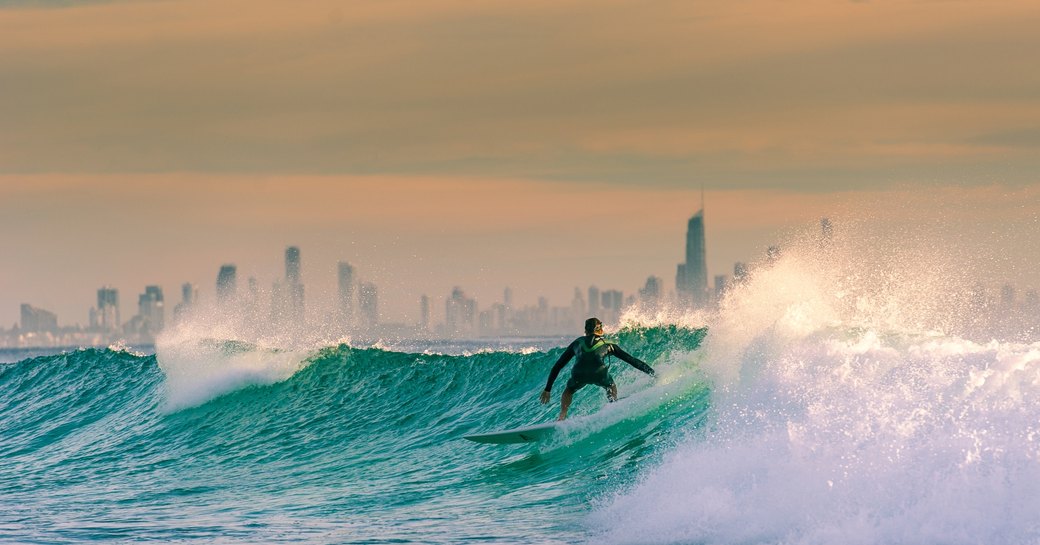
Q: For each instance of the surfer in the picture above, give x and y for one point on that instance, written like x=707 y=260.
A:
x=590 y=367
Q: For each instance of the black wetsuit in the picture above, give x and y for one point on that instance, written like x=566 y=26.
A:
x=590 y=367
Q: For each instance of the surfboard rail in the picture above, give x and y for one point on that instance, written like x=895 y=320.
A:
x=526 y=434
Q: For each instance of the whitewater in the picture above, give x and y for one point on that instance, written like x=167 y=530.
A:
x=849 y=391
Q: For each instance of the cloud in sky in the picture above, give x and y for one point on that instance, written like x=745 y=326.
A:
x=814 y=95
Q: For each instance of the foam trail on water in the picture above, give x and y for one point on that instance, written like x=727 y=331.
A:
x=857 y=399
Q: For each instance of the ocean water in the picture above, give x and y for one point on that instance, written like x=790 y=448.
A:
x=841 y=394
x=225 y=441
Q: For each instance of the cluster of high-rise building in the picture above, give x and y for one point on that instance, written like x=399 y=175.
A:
x=39 y=327
x=357 y=305
x=464 y=318
x=357 y=309
x=287 y=301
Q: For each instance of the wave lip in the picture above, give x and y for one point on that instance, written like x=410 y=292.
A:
x=200 y=370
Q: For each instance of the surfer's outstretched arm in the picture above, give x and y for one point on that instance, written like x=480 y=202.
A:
x=616 y=350
x=557 y=367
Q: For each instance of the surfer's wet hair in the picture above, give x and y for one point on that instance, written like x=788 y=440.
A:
x=591 y=324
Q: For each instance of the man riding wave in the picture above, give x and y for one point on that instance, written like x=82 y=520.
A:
x=590 y=366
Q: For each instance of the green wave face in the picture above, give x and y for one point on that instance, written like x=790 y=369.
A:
x=350 y=445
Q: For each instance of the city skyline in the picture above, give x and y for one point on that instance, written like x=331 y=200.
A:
x=539 y=242
x=356 y=305
x=464 y=317
x=287 y=297
x=285 y=303
x=359 y=313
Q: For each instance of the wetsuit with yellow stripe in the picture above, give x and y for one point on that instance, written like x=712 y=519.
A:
x=590 y=366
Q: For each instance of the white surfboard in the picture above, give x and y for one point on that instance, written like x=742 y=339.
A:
x=527 y=434
x=531 y=434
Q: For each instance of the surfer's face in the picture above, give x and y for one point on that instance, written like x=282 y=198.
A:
x=599 y=329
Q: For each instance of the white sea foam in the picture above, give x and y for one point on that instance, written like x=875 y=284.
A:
x=209 y=354
x=856 y=399
x=121 y=346
x=199 y=370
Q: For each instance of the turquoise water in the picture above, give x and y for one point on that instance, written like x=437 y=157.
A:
x=770 y=428
x=225 y=441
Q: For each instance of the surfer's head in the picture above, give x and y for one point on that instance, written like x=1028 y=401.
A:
x=593 y=326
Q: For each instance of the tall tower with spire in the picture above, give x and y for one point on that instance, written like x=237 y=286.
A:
x=691 y=279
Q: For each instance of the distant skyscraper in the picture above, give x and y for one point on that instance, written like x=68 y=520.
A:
x=612 y=302
x=578 y=306
x=368 y=303
x=720 y=286
x=150 y=308
x=292 y=265
x=346 y=292
x=189 y=296
x=37 y=320
x=424 y=313
x=294 y=288
x=485 y=322
x=107 y=317
x=227 y=284
x=594 y=301
x=691 y=279
x=500 y=317
x=650 y=295
x=460 y=313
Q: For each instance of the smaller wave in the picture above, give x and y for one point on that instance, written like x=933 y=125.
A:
x=48 y=399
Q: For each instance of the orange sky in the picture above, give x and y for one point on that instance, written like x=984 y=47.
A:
x=466 y=139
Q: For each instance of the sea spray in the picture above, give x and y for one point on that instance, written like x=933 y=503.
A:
x=198 y=370
x=211 y=351
x=857 y=398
